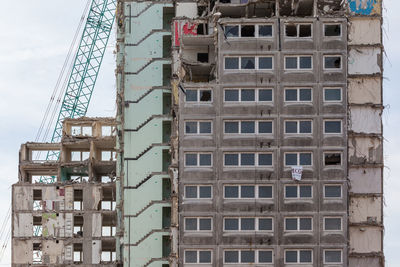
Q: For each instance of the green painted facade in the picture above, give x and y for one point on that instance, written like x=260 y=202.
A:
x=144 y=100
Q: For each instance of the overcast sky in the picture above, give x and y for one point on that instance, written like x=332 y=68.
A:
x=34 y=39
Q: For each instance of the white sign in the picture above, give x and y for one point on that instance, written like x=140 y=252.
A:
x=296 y=172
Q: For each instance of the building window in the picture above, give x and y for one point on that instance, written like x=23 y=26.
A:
x=299 y=158
x=248 y=95
x=298 y=224
x=247 y=127
x=198 y=224
x=332 y=62
x=298 y=62
x=298 y=95
x=332 y=191
x=332 y=126
x=248 y=224
x=332 y=94
x=298 y=191
x=197 y=256
x=298 y=30
x=198 y=96
x=260 y=31
x=198 y=160
x=198 y=127
x=333 y=223
x=298 y=127
x=249 y=63
x=332 y=30
x=332 y=256
x=298 y=256
x=332 y=159
x=247 y=191
x=247 y=159
x=248 y=256
x=198 y=191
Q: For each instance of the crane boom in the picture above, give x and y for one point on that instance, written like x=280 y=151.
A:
x=86 y=65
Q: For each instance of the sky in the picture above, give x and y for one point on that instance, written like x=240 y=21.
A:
x=34 y=40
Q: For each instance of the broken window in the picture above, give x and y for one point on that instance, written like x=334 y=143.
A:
x=298 y=191
x=332 y=223
x=197 y=256
x=298 y=62
x=77 y=130
x=331 y=30
x=79 y=155
x=332 y=62
x=332 y=256
x=332 y=94
x=79 y=179
x=37 y=199
x=201 y=96
x=295 y=159
x=298 y=95
x=332 y=191
x=332 y=126
x=247 y=63
x=247 y=31
x=232 y=31
x=298 y=30
x=332 y=159
x=108 y=155
x=298 y=256
x=39 y=156
x=78 y=199
x=37 y=253
x=298 y=127
x=108 y=130
x=78 y=253
x=106 y=179
x=37 y=226
x=78 y=225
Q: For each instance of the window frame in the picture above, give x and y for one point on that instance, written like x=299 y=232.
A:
x=256 y=224
x=298 y=63
x=256 y=127
x=332 y=37
x=256 y=95
x=333 y=120
x=198 y=102
x=298 y=30
x=198 y=224
x=298 y=126
x=256 y=256
x=298 y=223
x=256 y=31
x=333 y=198
x=298 y=256
x=333 y=217
x=198 y=127
x=298 y=159
x=298 y=95
x=298 y=192
x=256 y=159
x=333 y=88
x=198 y=160
x=198 y=256
x=256 y=63
x=332 y=69
x=198 y=192
x=332 y=152
x=256 y=190
x=334 y=263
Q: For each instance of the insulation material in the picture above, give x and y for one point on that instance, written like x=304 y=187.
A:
x=364 y=31
x=364 y=60
x=365 y=261
x=52 y=252
x=365 y=150
x=96 y=251
x=365 y=90
x=96 y=225
x=69 y=198
x=23 y=198
x=22 y=251
x=188 y=10
x=365 y=180
x=23 y=225
x=365 y=120
x=365 y=239
x=365 y=210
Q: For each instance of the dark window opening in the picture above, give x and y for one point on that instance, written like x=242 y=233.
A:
x=332 y=30
x=304 y=30
x=247 y=31
x=291 y=30
x=205 y=95
x=37 y=194
x=166 y=217
x=202 y=57
x=333 y=159
x=333 y=62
